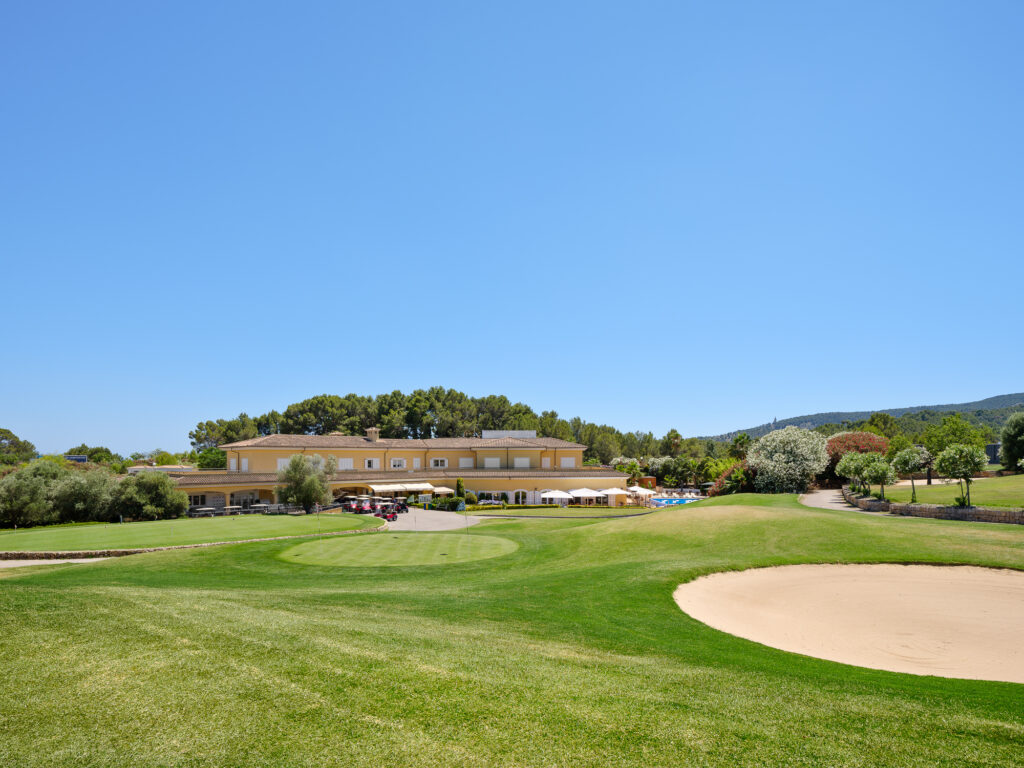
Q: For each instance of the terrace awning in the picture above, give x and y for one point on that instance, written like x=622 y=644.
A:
x=441 y=490
x=584 y=493
x=397 y=487
x=614 y=492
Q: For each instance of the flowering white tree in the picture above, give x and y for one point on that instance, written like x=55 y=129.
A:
x=787 y=460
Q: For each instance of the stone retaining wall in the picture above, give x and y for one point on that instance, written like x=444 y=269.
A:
x=970 y=514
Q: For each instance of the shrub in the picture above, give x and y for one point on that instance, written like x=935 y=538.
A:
x=878 y=471
x=450 y=503
x=843 y=443
x=852 y=466
x=83 y=496
x=24 y=495
x=460 y=488
x=148 y=496
x=1011 y=452
x=962 y=462
x=736 y=478
x=471 y=497
x=787 y=460
x=911 y=460
x=212 y=458
x=304 y=481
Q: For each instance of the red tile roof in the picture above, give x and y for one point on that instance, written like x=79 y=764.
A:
x=411 y=444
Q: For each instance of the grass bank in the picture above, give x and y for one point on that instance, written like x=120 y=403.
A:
x=1007 y=491
x=567 y=651
x=166 y=533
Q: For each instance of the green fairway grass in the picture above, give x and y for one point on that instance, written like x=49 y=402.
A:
x=399 y=549
x=1005 y=491
x=568 y=651
x=165 y=533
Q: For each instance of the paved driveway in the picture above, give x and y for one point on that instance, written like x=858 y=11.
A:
x=831 y=499
x=417 y=519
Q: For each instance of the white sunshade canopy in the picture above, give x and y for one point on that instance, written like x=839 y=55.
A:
x=556 y=495
x=442 y=489
x=614 y=492
x=641 y=491
x=585 y=493
x=394 y=487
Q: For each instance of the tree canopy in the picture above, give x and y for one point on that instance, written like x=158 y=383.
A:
x=14 y=450
x=1012 y=438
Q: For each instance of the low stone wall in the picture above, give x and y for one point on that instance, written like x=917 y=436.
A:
x=969 y=514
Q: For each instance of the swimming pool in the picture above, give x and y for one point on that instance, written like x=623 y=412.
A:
x=663 y=502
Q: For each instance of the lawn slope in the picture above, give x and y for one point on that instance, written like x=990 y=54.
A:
x=568 y=651
x=166 y=533
x=1007 y=491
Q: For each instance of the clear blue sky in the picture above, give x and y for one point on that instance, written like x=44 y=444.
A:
x=651 y=215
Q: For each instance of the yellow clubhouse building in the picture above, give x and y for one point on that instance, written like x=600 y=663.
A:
x=517 y=464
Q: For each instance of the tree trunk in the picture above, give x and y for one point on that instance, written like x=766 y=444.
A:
x=913 y=490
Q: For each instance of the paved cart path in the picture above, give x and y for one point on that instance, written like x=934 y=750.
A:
x=828 y=498
x=417 y=519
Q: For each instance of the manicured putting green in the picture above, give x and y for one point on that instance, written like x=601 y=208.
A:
x=399 y=549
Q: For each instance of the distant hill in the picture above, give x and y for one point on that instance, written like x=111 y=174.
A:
x=991 y=411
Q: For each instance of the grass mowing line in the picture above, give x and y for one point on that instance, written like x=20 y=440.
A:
x=166 y=533
x=401 y=549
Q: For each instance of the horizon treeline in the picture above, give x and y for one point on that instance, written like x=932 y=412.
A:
x=436 y=412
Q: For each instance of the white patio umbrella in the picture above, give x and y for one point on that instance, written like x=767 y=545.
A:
x=561 y=495
x=584 y=493
x=640 y=491
x=441 y=490
x=612 y=492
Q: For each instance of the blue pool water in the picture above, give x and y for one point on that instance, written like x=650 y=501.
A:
x=662 y=502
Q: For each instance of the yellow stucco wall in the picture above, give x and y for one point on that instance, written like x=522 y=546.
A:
x=265 y=460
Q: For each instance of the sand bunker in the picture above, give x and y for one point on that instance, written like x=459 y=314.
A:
x=926 y=620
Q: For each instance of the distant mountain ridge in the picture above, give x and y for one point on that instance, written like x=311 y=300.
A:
x=999 y=402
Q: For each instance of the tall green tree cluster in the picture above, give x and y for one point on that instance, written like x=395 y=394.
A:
x=438 y=412
x=46 y=491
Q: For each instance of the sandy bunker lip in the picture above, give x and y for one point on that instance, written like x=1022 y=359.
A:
x=949 y=621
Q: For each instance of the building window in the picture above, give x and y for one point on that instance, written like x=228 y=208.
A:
x=233 y=465
x=492 y=462
x=465 y=463
x=439 y=463
x=521 y=462
x=568 y=462
x=245 y=465
x=546 y=462
x=372 y=463
x=281 y=464
x=416 y=463
x=345 y=464
x=197 y=501
x=520 y=497
x=398 y=463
